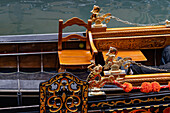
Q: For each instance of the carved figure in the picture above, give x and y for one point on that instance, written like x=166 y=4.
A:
x=114 y=64
x=117 y=64
x=111 y=56
x=95 y=72
x=96 y=16
x=167 y=23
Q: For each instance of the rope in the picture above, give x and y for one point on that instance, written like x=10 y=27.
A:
x=148 y=67
x=136 y=24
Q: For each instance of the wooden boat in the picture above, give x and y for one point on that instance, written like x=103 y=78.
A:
x=40 y=52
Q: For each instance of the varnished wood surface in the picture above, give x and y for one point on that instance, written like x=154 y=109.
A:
x=133 y=42
x=135 y=28
x=74 y=57
x=8 y=62
x=162 y=78
x=92 y=43
x=136 y=55
x=156 y=75
x=70 y=22
x=132 y=31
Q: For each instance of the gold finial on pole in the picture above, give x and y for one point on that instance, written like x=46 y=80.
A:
x=97 y=18
x=167 y=23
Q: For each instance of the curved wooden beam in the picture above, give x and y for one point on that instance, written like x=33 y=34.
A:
x=74 y=36
x=91 y=43
x=74 y=21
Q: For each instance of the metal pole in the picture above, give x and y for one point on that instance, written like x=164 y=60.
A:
x=19 y=94
x=42 y=63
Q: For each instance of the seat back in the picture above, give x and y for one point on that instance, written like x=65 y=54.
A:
x=70 y=22
x=63 y=93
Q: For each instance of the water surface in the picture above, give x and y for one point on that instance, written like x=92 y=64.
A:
x=41 y=16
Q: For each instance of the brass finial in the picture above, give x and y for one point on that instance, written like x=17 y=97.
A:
x=97 y=19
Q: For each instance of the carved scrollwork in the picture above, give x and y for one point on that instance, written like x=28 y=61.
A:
x=131 y=43
x=52 y=103
x=64 y=92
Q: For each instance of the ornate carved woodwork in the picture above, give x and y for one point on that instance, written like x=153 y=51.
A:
x=144 y=42
x=64 y=93
x=132 y=101
x=145 y=109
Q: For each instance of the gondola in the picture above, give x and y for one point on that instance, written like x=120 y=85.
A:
x=35 y=70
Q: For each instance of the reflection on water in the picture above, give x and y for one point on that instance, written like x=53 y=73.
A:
x=41 y=16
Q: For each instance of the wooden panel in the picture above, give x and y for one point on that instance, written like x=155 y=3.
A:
x=136 y=55
x=76 y=21
x=49 y=46
x=8 y=48
x=30 y=61
x=136 y=42
x=8 y=62
x=32 y=47
x=50 y=61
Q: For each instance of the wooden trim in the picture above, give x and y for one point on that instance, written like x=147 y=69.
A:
x=132 y=37
x=133 y=42
x=135 y=32
x=91 y=42
x=135 y=28
x=60 y=35
x=87 y=36
x=73 y=21
x=156 y=75
x=94 y=50
x=73 y=36
x=28 y=53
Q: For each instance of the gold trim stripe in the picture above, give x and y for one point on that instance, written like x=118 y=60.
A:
x=138 y=107
x=121 y=109
x=129 y=108
x=166 y=105
x=112 y=103
x=156 y=106
x=147 y=106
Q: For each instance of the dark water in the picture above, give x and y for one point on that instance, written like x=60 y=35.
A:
x=41 y=16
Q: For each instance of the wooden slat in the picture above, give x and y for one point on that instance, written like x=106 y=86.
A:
x=73 y=21
x=74 y=57
x=74 y=36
